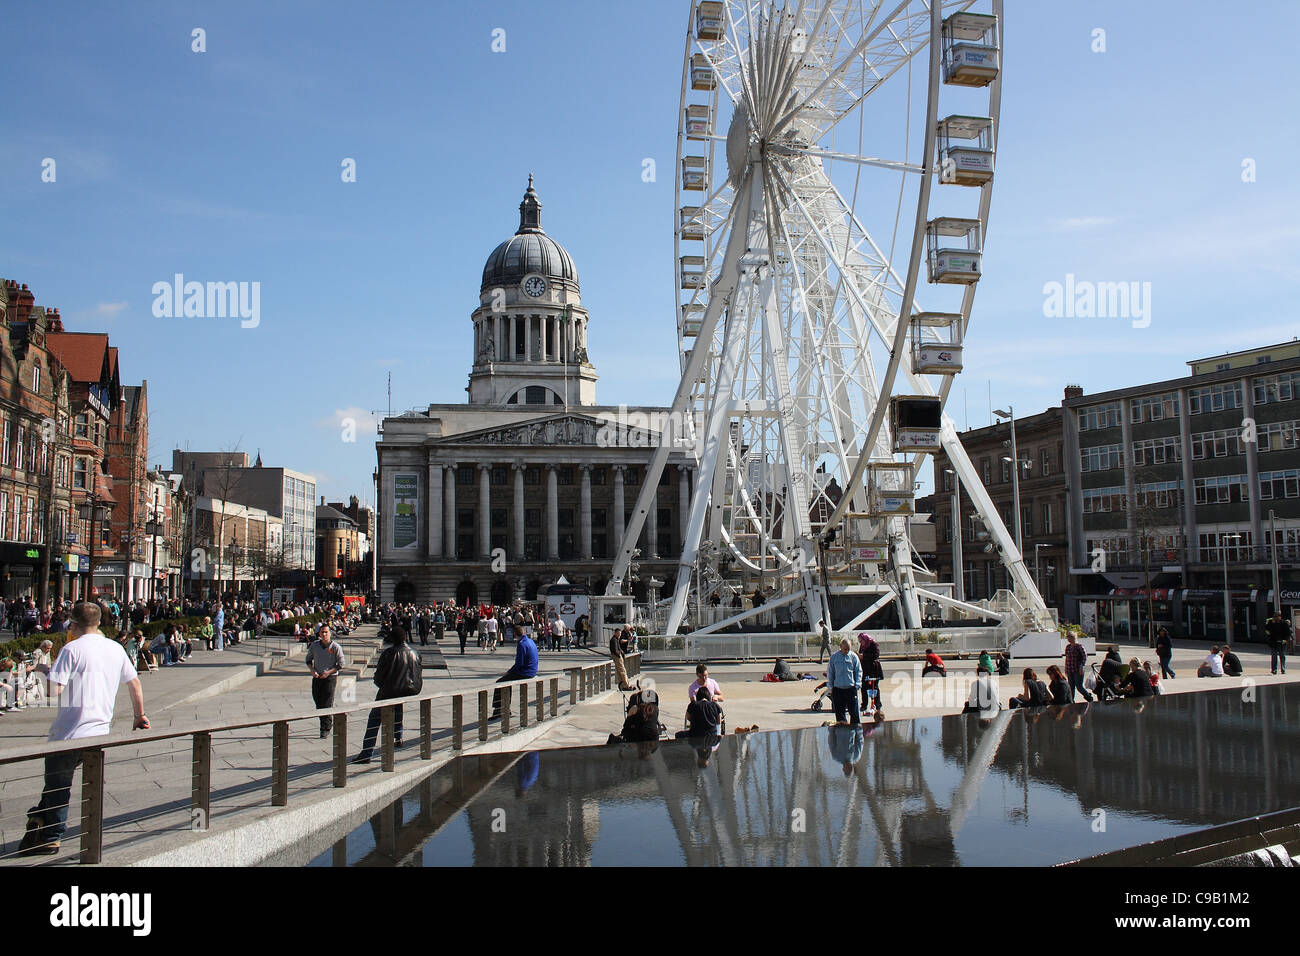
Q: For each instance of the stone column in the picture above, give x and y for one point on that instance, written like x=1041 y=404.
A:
x=616 y=519
x=449 y=524
x=683 y=501
x=434 y=538
x=552 y=514
x=517 y=522
x=484 y=510
x=585 y=518
x=652 y=525
x=510 y=338
x=528 y=338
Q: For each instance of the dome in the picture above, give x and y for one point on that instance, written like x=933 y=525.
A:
x=529 y=251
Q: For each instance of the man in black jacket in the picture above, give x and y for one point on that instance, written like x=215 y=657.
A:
x=398 y=674
x=1278 y=631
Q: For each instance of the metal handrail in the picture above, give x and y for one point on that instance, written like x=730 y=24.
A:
x=584 y=681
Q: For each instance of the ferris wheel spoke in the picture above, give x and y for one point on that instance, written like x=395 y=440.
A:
x=891 y=164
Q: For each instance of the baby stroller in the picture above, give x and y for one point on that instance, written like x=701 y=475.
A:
x=1103 y=689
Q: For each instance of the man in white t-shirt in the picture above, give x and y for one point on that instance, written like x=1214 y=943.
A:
x=85 y=678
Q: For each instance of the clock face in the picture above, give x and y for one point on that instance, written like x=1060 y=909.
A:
x=534 y=286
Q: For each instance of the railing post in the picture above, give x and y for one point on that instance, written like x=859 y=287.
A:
x=92 y=806
x=573 y=687
x=387 y=748
x=426 y=729
x=555 y=696
x=541 y=701
x=201 y=782
x=483 y=715
x=280 y=763
x=506 y=703
x=523 y=706
x=458 y=722
x=340 y=752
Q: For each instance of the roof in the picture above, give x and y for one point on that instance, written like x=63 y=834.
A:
x=530 y=250
x=82 y=353
x=331 y=514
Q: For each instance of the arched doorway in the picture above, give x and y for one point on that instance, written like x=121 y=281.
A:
x=404 y=593
x=466 y=593
x=501 y=592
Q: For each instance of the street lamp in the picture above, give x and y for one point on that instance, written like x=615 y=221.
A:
x=1010 y=415
x=958 y=562
x=95 y=513
x=1227 y=600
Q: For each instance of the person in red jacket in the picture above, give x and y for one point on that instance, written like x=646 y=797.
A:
x=933 y=664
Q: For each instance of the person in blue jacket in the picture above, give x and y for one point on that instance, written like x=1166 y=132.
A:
x=525 y=666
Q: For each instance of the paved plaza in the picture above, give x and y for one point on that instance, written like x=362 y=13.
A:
x=148 y=786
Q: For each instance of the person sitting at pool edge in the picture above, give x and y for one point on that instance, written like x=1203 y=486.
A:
x=702 y=679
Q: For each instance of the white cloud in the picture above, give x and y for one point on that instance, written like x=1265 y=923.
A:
x=109 y=309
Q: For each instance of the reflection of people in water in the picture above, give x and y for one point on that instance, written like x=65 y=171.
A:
x=526 y=771
x=705 y=748
x=846 y=745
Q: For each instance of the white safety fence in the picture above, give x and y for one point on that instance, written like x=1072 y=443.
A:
x=801 y=645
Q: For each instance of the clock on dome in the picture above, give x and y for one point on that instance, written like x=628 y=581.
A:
x=535 y=286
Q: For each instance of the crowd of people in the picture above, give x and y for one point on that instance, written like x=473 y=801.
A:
x=485 y=625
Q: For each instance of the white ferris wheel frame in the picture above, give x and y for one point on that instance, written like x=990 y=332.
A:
x=761 y=216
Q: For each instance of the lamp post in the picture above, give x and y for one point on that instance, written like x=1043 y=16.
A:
x=1010 y=415
x=1272 y=556
x=958 y=563
x=1227 y=600
x=93 y=512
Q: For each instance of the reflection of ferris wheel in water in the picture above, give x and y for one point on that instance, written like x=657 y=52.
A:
x=812 y=380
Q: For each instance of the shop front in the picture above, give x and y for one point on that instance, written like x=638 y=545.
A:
x=20 y=569
x=1189 y=613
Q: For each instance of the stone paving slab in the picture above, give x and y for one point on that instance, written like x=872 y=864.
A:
x=157 y=775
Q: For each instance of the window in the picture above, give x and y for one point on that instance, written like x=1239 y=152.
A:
x=1047 y=518
x=1099 y=416
x=1100 y=500
x=598 y=476
x=1279 y=436
x=36 y=379
x=1263 y=359
x=1160 y=494
x=82 y=427
x=4 y=515
x=1006 y=471
x=598 y=517
x=1277 y=388
x=1101 y=457
x=464 y=518
x=498 y=475
x=1114 y=550
x=1026 y=520
x=632 y=475
x=1156 y=451
x=18 y=445
x=1222 y=366
x=498 y=517
x=947 y=482
x=1214 y=398
x=532 y=517
x=1046 y=466
x=1216 y=444
x=1214 y=544
x=565 y=475
x=1154 y=408
x=79 y=473
x=532 y=475
x=564 y=517
x=1279 y=484
x=465 y=475
x=1222 y=490
x=987 y=469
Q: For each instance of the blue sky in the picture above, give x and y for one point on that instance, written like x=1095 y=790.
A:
x=225 y=166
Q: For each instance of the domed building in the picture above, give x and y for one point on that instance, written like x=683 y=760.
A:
x=530 y=329
x=530 y=480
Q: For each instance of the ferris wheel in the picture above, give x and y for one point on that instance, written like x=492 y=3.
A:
x=835 y=164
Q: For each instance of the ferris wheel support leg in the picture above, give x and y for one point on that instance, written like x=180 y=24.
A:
x=909 y=605
x=716 y=432
x=988 y=512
